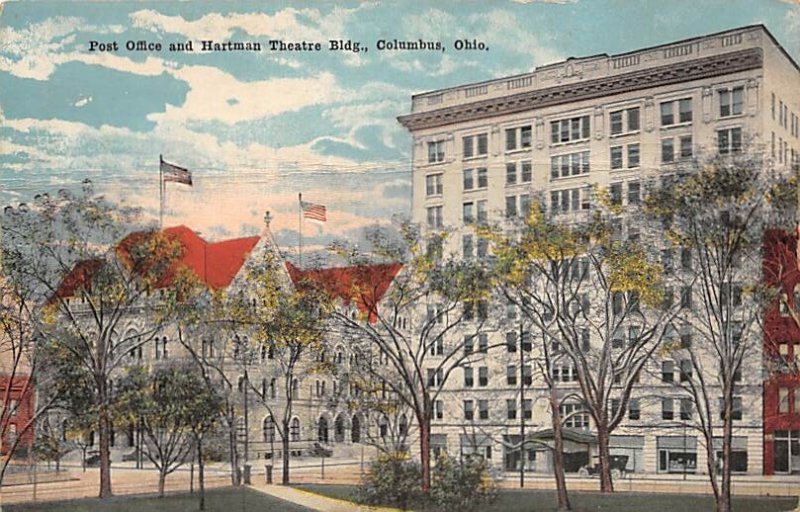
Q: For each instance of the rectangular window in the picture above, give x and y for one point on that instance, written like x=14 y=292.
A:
x=633 y=119
x=483 y=247
x=667 y=412
x=525 y=136
x=483 y=178
x=482 y=214
x=731 y=101
x=569 y=130
x=667 y=151
x=616 y=193
x=783 y=400
x=436 y=152
x=686 y=297
x=667 y=371
x=469 y=343
x=511 y=139
x=634 y=413
x=467 y=246
x=511 y=375
x=511 y=409
x=511 y=341
x=633 y=155
x=483 y=144
x=469 y=412
x=667 y=117
x=469 y=379
x=616 y=122
x=616 y=157
x=433 y=184
x=511 y=206
x=686 y=370
x=527 y=375
x=685 y=110
x=467 y=212
x=634 y=192
x=686 y=408
x=467 y=144
x=527 y=172
x=686 y=146
x=527 y=408
x=511 y=173
x=483 y=409
x=483 y=376
x=525 y=205
x=483 y=341
x=438 y=409
x=736 y=408
x=435 y=217
x=469 y=182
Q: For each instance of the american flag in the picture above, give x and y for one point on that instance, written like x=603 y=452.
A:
x=174 y=173
x=313 y=211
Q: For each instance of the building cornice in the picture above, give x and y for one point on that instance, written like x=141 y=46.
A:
x=697 y=69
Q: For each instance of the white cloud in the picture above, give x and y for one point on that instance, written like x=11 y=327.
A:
x=289 y=23
x=215 y=95
x=33 y=51
x=503 y=29
x=83 y=101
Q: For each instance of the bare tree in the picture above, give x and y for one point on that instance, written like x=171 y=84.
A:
x=413 y=324
x=79 y=256
x=595 y=297
x=717 y=215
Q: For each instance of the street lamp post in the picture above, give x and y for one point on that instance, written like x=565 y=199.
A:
x=522 y=409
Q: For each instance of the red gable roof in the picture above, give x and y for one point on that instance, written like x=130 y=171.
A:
x=215 y=264
x=363 y=284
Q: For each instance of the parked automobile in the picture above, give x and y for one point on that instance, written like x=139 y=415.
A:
x=618 y=465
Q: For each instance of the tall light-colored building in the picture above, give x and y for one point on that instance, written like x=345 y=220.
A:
x=483 y=151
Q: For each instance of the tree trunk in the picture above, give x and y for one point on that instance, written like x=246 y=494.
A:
x=286 y=455
x=201 y=474
x=234 y=456
x=724 y=499
x=558 y=454
x=162 y=480
x=425 y=453
x=105 y=455
x=604 y=458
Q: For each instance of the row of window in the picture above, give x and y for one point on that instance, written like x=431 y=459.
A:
x=483 y=409
x=787 y=119
x=621 y=122
x=685 y=408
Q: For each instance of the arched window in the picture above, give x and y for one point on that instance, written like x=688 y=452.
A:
x=403 y=425
x=294 y=430
x=263 y=388
x=273 y=391
x=268 y=429
x=240 y=384
x=322 y=430
x=295 y=388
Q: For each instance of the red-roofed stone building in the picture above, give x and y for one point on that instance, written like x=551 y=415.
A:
x=220 y=265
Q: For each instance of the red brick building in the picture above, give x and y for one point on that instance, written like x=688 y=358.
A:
x=782 y=356
x=18 y=397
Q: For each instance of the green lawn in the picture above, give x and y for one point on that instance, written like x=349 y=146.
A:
x=536 y=501
x=217 y=500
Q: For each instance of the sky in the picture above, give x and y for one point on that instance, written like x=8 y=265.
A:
x=257 y=128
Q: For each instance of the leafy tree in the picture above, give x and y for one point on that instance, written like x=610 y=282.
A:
x=411 y=337
x=718 y=214
x=595 y=298
x=172 y=404
x=77 y=254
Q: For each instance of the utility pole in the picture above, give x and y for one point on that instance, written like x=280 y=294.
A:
x=521 y=408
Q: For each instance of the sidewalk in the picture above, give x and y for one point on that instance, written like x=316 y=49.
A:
x=315 y=501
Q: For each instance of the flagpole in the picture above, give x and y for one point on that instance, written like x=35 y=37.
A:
x=300 y=228
x=160 y=192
